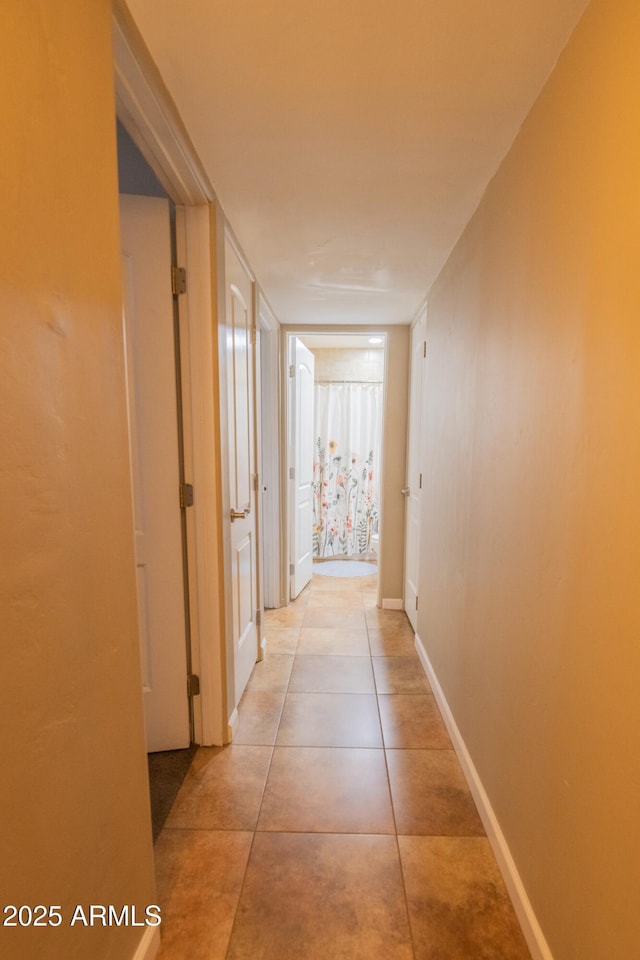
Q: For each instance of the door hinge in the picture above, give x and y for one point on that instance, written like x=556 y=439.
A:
x=178 y=280
x=193 y=685
x=420 y=482
x=258 y=618
x=416 y=603
x=253 y=336
x=424 y=349
x=292 y=473
x=256 y=482
x=292 y=369
x=186 y=495
x=292 y=568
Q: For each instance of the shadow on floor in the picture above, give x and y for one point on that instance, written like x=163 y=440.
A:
x=167 y=770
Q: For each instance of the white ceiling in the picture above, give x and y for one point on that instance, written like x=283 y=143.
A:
x=349 y=141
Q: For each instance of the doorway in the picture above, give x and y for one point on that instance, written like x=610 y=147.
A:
x=345 y=427
x=147 y=222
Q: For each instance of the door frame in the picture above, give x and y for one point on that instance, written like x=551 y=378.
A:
x=146 y=110
x=289 y=332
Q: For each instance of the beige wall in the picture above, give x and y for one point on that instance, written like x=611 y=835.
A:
x=530 y=552
x=74 y=806
x=337 y=363
x=394 y=446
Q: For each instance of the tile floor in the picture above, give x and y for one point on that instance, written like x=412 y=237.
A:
x=338 y=825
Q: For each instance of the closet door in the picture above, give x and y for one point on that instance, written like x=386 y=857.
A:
x=153 y=440
x=240 y=349
x=413 y=488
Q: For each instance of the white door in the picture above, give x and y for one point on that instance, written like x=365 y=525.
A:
x=301 y=366
x=269 y=464
x=413 y=489
x=240 y=354
x=153 y=440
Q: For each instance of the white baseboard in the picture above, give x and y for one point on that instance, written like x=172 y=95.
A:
x=149 y=944
x=522 y=905
x=390 y=603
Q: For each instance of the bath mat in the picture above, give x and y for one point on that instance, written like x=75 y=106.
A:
x=345 y=568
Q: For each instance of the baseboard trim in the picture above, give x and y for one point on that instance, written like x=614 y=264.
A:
x=391 y=603
x=522 y=905
x=149 y=944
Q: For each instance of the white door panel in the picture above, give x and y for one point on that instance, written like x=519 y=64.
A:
x=413 y=490
x=244 y=593
x=241 y=418
x=153 y=438
x=302 y=427
x=270 y=467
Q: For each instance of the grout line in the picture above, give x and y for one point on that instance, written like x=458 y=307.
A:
x=393 y=809
x=360 y=602
x=266 y=780
x=234 y=913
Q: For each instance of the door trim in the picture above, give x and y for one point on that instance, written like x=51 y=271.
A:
x=203 y=458
x=145 y=108
x=148 y=945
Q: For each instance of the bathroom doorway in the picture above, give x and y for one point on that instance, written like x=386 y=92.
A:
x=345 y=454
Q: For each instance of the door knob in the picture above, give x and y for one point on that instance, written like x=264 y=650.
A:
x=405 y=491
x=240 y=514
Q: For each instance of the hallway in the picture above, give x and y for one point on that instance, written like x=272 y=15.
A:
x=338 y=824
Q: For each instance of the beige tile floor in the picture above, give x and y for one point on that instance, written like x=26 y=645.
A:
x=338 y=825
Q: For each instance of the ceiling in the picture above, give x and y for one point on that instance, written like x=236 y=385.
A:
x=349 y=141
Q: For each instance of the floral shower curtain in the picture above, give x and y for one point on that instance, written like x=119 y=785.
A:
x=348 y=430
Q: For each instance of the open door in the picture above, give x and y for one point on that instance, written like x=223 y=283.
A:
x=240 y=358
x=413 y=489
x=153 y=438
x=301 y=371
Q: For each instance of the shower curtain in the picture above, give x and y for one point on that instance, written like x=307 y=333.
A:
x=346 y=469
